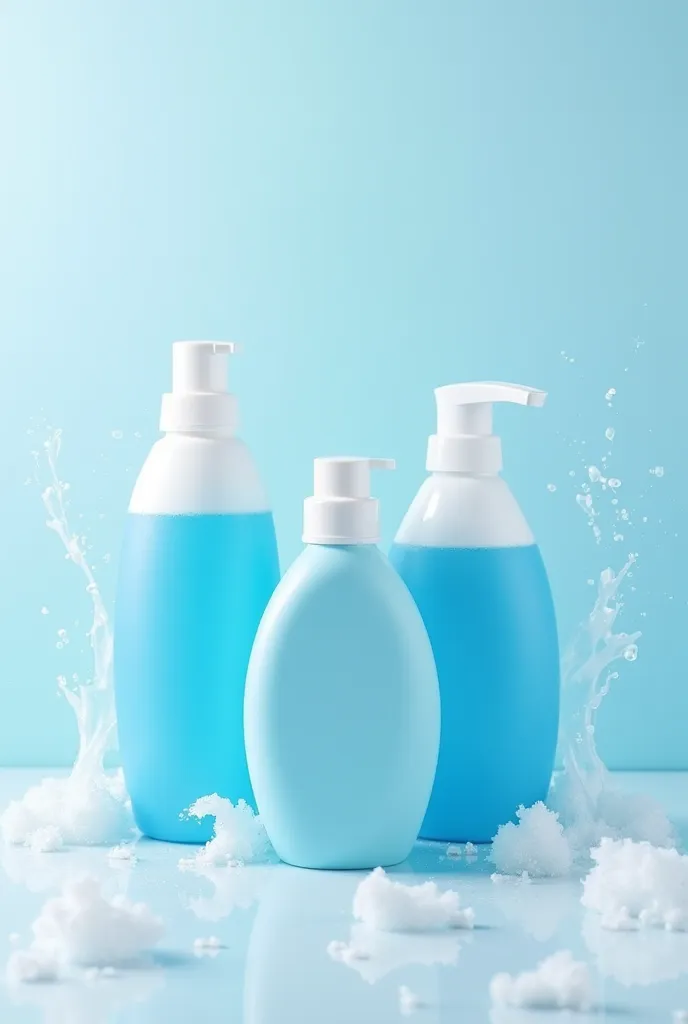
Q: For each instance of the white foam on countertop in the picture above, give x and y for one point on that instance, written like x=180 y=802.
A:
x=239 y=835
x=636 y=884
x=387 y=905
x=82 y=927
x=536 y=845
x=557 y=983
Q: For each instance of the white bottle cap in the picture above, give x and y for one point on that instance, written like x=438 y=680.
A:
x=200 y=399
x=464 y=442
x=341 y=510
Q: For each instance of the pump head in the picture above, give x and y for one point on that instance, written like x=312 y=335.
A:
x=200 y=400
x=464 y=442
x=341 y=510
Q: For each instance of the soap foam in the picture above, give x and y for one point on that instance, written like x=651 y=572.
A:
x=239 y=835
x=635 y=884
x=536 y=845
x=392 y=906
x=583 y=805
x=90 y=806
x=81 y=927
x=558 y=983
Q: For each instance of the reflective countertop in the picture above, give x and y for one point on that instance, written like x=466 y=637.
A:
x=275 y=922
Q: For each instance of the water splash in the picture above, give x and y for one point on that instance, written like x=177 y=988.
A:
x=584 y=795
x=90 y=806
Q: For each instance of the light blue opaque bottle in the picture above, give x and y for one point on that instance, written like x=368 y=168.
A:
x=198 y=566
x=342 y=703
x=469 y=559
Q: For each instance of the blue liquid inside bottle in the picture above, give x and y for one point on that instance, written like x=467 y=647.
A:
x=192 y=590
x=490 y=618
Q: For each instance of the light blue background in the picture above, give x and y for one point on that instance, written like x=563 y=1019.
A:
x=375 y=198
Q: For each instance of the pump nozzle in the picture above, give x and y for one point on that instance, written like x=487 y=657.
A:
x=200 y=399
x=464 y=442
x=341 y=510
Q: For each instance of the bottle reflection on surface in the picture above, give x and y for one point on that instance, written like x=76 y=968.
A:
x=290 y=977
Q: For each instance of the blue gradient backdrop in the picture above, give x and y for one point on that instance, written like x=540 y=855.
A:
x=375 y=198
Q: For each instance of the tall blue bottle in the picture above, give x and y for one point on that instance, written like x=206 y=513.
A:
x=198 y=565
x=342 y=708
x=468 y=557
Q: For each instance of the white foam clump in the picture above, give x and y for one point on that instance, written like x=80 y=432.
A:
x=636 y=884
x=82 y=927
x=47 y=839
x=80 y=810
x=536 y=845
x=409 y=1002
x=558 y=983
x=239 y=835
x=391 y=906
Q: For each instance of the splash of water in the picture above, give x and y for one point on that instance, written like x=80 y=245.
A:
x=90 y=806
x=584 y=795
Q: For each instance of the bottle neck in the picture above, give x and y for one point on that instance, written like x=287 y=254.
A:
x=475 y=455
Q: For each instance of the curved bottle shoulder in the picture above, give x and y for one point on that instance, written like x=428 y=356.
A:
x=455 y=510
x=346 y=586
x=193 y=474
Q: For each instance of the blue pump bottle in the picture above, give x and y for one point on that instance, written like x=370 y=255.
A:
x=198 y=565
x=342 y=702
x=469 y=559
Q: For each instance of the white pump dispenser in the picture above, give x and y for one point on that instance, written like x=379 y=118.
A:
x=464 y=442
x=200 y=466
x=200 y=400
x=341 y=510
x=465 y=503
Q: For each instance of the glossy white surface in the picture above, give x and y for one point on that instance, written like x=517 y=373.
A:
x=275 y=923
x=457 y=510
x=191 y=474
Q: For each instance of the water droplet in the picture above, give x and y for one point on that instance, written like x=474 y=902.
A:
x=118 y=434
x=572 y=472
x=657 y=471
x=610 y=394
x=551 y=488
x=62 y=633
x=585 y=502
x=609 y=433
x=644 y=519
x=595 y=475
x=45 y=611
x=614 y=482
x=631 y=652
x=618 y=536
